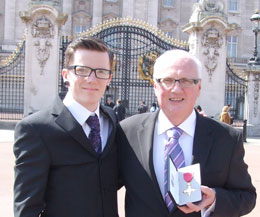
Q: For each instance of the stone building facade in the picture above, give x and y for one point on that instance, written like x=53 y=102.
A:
x=168 y=15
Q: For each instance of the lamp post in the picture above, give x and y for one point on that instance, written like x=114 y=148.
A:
x=255 y=60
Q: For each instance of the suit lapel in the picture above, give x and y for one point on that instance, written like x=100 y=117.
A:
x=145 y=136
x=203 y=141
x=66 y=121
x=145 y=139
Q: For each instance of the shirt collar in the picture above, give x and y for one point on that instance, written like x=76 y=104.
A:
x=188 y=126
x=79 y=112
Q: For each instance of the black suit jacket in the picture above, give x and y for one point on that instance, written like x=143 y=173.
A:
x=120 y=112
x=58 y=173
x=217 y=147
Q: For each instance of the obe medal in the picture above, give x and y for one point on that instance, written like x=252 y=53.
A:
x=188 y=178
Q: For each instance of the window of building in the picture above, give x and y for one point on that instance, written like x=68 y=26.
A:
x=169 y=33
x=168 y=3
x=80 y=28
x=232 y=46
x=233 y=5
x=111 y=0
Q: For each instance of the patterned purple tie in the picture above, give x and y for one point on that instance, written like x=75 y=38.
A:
x=94 y=135
x=174 y=151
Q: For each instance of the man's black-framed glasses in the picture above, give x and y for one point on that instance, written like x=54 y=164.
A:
x=183 y=82
x=85 y=71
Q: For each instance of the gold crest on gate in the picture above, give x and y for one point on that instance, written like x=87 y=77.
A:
x=145 y=65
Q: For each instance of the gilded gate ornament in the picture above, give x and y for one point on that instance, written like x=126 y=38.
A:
x=145 y=65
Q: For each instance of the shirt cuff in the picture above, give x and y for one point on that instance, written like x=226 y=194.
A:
x=207 y=211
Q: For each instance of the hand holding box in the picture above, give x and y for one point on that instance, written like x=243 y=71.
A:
x=184 y=183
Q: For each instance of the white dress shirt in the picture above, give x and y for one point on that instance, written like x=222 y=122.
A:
x=161 y=138
x=186 y=142
x=81 y=114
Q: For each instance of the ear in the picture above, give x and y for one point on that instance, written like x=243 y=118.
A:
x=64 y=73
x=199 y=85
x=155 y=87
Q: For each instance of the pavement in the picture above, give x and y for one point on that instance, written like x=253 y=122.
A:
x=252 y=158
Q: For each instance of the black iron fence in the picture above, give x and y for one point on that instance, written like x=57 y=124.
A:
x=12 y=86
x=235 y=91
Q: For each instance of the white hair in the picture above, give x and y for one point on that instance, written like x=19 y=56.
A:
x=171 y=56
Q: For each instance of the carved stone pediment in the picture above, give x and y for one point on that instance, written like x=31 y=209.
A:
x=42 y=28
x=207 y=8
x=212 y=5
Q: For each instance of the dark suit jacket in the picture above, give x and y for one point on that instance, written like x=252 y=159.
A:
x=217 y=147
x=58 y=173
x=120 y=112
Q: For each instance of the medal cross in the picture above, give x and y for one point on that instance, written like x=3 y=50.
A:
x=189 y=190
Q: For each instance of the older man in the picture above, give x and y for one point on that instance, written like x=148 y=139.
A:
x=144 y=140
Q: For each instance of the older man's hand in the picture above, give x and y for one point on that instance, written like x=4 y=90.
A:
x=208 y=197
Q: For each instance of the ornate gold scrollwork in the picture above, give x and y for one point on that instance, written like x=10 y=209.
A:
x=145 y=65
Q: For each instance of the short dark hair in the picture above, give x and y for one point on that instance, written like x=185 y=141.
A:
x=88 y=43
x=199 y=108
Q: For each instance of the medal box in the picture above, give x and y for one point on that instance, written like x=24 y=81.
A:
x=184 y=183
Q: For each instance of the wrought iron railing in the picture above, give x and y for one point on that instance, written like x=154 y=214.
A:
x=12 y=85
x=235 y=90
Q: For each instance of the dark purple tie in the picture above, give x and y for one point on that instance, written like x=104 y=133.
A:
x=174 y=151
x=94 y=135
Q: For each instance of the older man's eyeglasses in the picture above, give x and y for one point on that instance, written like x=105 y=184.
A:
x=183 y=82
x=85 y=71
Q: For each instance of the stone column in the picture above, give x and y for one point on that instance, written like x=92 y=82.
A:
x=252 y=111
x=153 y=12
x=97 y=12
x=128 y=8
x=43 y=23
x=9 y=33
x=207 y=28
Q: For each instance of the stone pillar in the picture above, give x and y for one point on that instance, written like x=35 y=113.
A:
x=252 y=110
x=43 y=23
x=97 y=12
x=128 y=8
x=153 y=12
x=207 y=30
x=9 y=33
